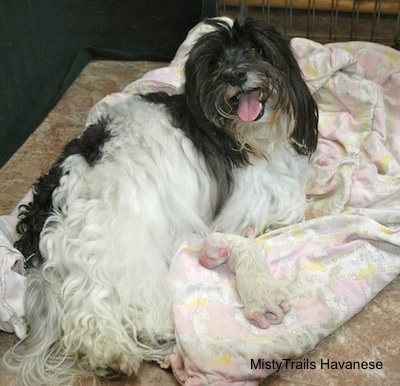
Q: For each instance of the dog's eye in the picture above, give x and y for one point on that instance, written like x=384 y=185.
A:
x=256 y=50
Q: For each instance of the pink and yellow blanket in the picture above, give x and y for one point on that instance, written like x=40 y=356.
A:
x=333 y=264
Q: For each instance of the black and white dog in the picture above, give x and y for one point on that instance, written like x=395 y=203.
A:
x=228 y=155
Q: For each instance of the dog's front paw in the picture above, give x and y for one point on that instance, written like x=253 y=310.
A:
x=263 y=299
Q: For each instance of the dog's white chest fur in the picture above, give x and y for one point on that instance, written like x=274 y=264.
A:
x=266 y=194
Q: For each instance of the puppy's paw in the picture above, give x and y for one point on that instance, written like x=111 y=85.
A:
x=215 y=251
x=270 y=313
x=265 y=302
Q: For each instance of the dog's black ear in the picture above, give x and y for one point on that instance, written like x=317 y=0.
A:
x=202 y=56
x=305 y=112
x=277 y=51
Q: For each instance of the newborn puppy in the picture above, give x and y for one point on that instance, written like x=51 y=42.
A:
x=257 y=288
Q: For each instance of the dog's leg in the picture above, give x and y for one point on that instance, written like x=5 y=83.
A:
x=264 y=301
x=99 y=306
x=118 y=332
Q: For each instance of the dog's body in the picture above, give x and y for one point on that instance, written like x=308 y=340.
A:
x=107 y=219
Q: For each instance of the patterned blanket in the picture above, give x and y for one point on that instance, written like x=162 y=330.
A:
x=333 y=264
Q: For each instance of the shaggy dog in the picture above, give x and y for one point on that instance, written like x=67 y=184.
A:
x=229 y=155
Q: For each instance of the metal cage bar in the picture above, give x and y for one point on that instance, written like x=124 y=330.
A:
x=326 y=20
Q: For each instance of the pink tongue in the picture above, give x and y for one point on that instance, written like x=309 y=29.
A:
x=249 y=106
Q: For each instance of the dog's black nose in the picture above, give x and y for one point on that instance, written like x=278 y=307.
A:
x=237 y=77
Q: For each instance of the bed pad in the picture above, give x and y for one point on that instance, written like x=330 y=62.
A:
x=332 y=264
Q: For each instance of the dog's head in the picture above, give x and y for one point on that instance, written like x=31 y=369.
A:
x=244 y=79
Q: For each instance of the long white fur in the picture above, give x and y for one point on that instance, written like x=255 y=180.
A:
x=267 y=194
x=115 y=228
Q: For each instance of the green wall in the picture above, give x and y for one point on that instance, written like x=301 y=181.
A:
x=44 y=44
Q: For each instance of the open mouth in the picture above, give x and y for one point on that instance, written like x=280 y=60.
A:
x=250 y=105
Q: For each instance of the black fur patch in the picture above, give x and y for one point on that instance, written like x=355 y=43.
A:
x=214 y=143
x=220 y=150
x=33 y=215
x=90 y=143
